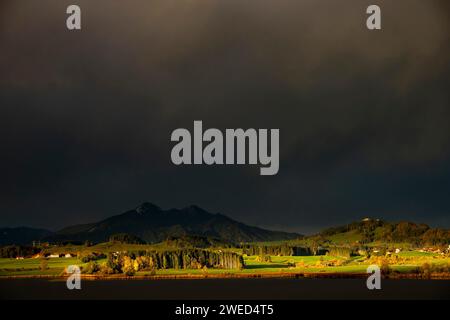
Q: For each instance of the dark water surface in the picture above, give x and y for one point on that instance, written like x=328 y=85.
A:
x=180 y=289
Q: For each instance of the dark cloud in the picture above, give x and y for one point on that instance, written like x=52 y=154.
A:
x=86 y=116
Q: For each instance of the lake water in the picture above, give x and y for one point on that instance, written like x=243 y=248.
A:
x=227 y=289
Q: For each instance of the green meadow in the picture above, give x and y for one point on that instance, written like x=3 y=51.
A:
x=404 y=262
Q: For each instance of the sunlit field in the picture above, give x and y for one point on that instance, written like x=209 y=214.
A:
x=404 y=262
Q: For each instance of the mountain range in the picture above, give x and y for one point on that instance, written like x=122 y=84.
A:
x=22 y=235
x=151 y=224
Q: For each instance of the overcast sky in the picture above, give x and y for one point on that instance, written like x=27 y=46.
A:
x=86 y=116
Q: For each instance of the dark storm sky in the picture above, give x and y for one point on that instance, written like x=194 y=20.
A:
x=86 y=116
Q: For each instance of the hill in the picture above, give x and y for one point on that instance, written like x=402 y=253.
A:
x=375 y=230
x=22 y=235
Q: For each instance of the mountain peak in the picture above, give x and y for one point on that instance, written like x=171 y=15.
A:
x=195 y=208
x=147 y=207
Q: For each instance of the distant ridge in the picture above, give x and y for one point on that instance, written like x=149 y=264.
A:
x=196 y=225
x=370 y=230
x=153 y=224
x=22 y=235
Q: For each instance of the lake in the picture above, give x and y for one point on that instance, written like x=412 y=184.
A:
x=225 y=289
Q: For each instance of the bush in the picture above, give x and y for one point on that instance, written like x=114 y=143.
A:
x=143 y=263
x=106 y=269
x=91 y=257
x=264 y=258
x=114 y=264
x=425 y=269
x=205 y=270
x=385 y=268
x=91 y=268
x=128 y=266
x=428 y=268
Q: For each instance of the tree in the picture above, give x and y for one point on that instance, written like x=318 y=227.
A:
x=126 y=238
x=128 y=266
x=91 y=268
x=43 y=264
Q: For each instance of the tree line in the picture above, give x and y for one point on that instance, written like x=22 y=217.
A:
x=131 y=262
x=281 y=250
x=14 y=251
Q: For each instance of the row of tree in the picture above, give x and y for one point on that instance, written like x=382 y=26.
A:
x=342 y=252
x=281 y=250
x=376 y=230
x=177 y=259
x=14 y=251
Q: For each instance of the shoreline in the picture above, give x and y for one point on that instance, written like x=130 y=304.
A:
x=275 y=275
